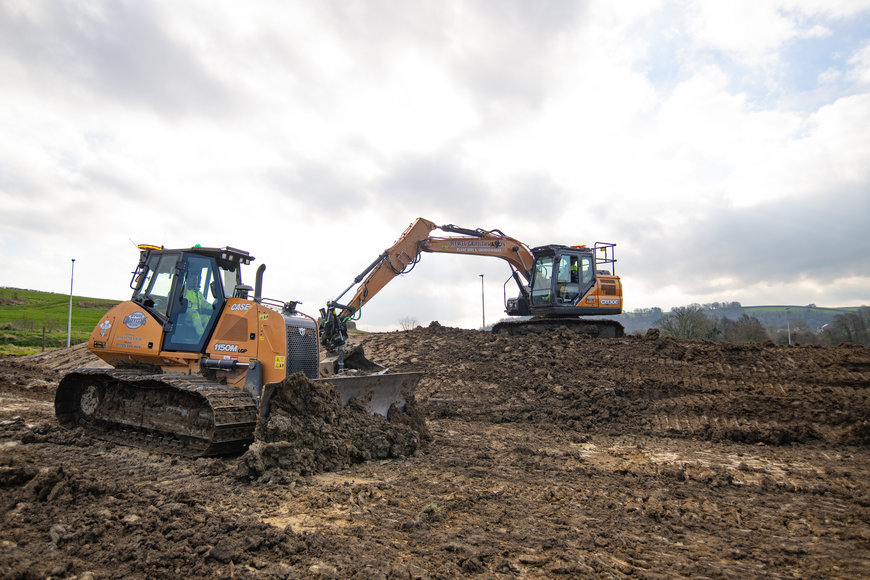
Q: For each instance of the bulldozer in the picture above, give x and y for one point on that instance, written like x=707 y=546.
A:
x=558 y=285
x=197 y=356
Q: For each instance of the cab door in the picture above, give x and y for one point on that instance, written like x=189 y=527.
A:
x=197 y=299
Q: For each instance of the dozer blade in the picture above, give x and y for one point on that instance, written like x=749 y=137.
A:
x=377 y=392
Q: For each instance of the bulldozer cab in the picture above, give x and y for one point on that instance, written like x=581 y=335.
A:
x=185 y=290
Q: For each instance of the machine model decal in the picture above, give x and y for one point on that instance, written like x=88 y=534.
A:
x=609 y=301
x=226 y=347
x=134 y=320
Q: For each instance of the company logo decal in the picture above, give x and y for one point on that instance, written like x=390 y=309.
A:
x=104 y=327
x=609 y=301
x=243 y=306
x=135 y=320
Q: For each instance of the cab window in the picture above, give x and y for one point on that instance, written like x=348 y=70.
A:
x=542 y=281
x=155 y=289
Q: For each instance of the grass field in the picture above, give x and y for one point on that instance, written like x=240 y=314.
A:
x=28 y=315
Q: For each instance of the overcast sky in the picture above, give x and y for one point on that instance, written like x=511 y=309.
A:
x=724 y=146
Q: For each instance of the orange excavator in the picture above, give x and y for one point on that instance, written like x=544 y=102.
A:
x=197 y=355
x=558 y=285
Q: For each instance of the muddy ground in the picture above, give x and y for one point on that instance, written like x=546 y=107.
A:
x=549 y=455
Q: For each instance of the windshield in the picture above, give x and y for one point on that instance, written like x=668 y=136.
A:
x=154 y=289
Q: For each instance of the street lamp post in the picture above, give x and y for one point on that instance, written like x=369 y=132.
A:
x=482 y=305
x=69 y=317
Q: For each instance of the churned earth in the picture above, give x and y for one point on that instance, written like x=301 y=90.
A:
x=545 y=455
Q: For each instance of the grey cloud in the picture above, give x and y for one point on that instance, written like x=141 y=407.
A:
x=125 y=54
x=819 y=238
x=516 y=64
x=508 y=61
x=429 y=185
x=318 y=186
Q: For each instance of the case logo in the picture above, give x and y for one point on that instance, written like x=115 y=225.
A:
x=241 y=306
x=134 y=320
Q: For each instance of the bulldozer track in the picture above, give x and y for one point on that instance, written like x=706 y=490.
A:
x=179 y=414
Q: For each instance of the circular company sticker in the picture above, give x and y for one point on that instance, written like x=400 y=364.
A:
x=134 y=320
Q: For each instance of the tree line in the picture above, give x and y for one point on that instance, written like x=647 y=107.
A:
x=693 y=322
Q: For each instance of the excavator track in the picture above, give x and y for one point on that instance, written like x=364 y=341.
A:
x=170 y=413
x=587 y=327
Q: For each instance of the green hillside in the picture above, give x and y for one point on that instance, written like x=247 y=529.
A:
x=26 y=314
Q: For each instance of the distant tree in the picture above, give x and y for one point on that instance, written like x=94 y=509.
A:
x=687 y=322
x=849 y=327
x=408 y=323
x=654 y=312
x=744 y=329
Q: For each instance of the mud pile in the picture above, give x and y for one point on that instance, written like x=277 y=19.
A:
x=714 y=391
x=550 y=456
x=308 y=431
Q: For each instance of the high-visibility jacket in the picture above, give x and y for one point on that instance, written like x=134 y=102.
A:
x=197 y=305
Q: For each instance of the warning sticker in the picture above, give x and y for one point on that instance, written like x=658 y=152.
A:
x=279 y=362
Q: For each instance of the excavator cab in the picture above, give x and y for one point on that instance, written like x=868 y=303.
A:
x=571 y=281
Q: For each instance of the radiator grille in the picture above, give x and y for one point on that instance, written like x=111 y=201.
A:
x=302 y=351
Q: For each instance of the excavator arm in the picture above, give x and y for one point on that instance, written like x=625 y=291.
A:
x=403 y=255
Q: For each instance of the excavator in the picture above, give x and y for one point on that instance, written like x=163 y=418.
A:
x=558 y=285
x=197 y=355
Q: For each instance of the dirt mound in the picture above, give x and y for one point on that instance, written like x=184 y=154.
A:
x=550 y=455
x=747 y=393
x=308 y=431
